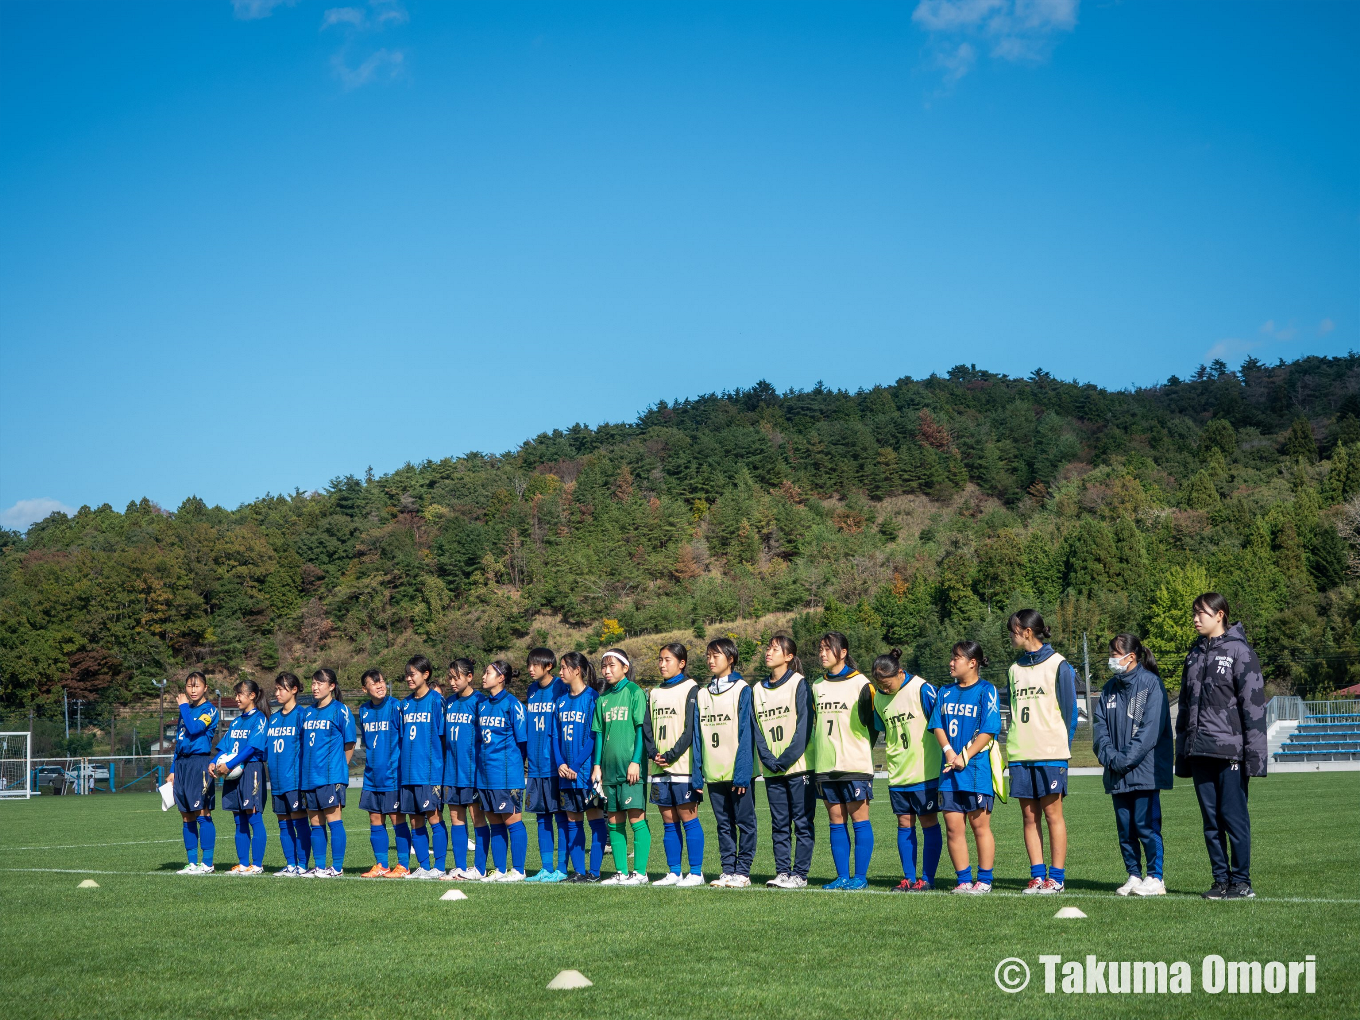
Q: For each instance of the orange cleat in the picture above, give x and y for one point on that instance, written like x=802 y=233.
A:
x=396 y=871
x=377 y=871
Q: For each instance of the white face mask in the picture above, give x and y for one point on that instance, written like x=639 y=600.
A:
x=1117 y=665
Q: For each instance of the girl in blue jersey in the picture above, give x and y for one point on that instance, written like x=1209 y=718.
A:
x=541 y=790
x=965 y=720
x=422 y=769
x=574 y=754
x=459 y=791
x=329 y=735
x=502 y=747
x=380 y=726
x=194 y=788
x=244 y=745
x=284 y=758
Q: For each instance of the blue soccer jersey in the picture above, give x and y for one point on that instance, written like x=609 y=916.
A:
x=197 y=729
x=326 y=731
x=285 y=750
x=963 y=713
x=573 y=739
x=245 y=740
x=422 y=740
x=539 y=716
x=381 y=726
x=460 y=739
x=502 y=742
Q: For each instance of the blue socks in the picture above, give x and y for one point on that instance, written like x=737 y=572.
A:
x=403 y=832
x=286 y=841
x=302 y=839
x=207 y=837
x=930 y=857
x=563 y=844
x=499 y=838
x=985 y=875
x=257 y=839
x=670 y=839
x=906 y=850
x=864 y=848
x=966 y=876
x=243 y=839
x=840 y=849
x=1038 y=871
x=545 y=841
x=318 y=834
x=519 y=845
x=483 y=836
x=420 y=838
x=377 y=837
x=191 y=840
x=694 y=839
x=439 y=835
x=458 y=840
x=337 y=845
x=1058 y=875
x=576 y=844
x=599 y=839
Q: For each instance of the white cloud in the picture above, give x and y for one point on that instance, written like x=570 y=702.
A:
x=1325 y=327
x=343 y=16
x=384 y=65
x=28 y=511
x=1019 y=31
x=390 y=11
x=253 y=10
x=1282 y=333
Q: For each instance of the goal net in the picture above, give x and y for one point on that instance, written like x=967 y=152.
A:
x=15 y=765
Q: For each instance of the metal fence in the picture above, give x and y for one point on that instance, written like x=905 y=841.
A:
x=1292 y=709
x=99 y=774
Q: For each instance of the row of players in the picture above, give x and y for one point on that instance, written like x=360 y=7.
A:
x=575 y=753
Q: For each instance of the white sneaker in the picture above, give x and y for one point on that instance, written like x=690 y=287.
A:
x=418 y=873
x=189 y=869
x=455 y=875
x=306 y=873
x=618 y=878
x=493 y=876
x=513 y=875
x=254 y=870
x=638 y=878
x=722 y=881
x=325 y=873
x=739 y=882
x=981 y=888
x=1151 y=887
x=670 y=878
x=435 y=873
x=691 y=880
x=206 y=869
x=1134 y=883
x=472 y=875
x=796 y=882
x=284 y=872
x=778 y=881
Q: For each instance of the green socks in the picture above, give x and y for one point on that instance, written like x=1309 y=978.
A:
x=618 y=845
x=642 y=845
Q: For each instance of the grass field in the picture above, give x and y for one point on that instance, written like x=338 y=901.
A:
x=148 y=943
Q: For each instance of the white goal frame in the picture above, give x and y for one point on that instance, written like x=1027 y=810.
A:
x=12 y=786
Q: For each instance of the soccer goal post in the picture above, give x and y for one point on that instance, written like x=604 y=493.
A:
x=16 y=765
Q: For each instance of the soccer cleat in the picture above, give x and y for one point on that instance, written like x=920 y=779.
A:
x=796 y=882
x=189 y=869
x=493 y=876
x=254 y=870
x=981 y=888
x=555 y=877
x=377 y=871
x=419 y=873
x=922 y=885
x=1134 y=883
x=839 y=883
x=206 y=869
x=902 y=886
x=739 y=882
x=638 y=878
x=325 y=873
x=397 y=871
x=1151 y=887
x=778 y=881
x=1035 y=885
x=856 y=882
x=963 y=888
x=670 y=878
x=240 y=869
x=540 y=876
x=694 y=878
x=436 y=873
x=1217 y=891
x=576 y=879
x=1240 y=891
x=722 y=881
x=307 y=873
x=592 y=879
x=513 y=875
x=472 y=875
x=1051 y=887
x=618 y=878
x=452 y=875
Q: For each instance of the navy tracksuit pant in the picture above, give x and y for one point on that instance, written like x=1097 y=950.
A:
x=793 y=805
x=736 y=817
x=1138 y=817
x=1221 y=787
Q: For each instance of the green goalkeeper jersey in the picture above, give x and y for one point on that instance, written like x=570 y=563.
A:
x=619 y=716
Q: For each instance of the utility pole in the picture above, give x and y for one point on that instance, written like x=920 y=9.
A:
x=66 y=712
x=79 y=702
x=1086 y=666
x=160 y=739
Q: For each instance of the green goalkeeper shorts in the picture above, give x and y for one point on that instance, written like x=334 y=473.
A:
x=625 y=797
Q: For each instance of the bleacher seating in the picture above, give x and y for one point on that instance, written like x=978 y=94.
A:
x=1323 y=738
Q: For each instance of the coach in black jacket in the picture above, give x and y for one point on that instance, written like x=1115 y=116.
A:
x=1221 y=740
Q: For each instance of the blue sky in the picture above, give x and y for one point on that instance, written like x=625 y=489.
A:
x=248 y=247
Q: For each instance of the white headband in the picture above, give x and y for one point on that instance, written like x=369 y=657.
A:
x=616 y=655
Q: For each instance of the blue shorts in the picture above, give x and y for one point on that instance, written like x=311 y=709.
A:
x=965 y=801
x=246 y=791
x=458 y=796
x=195 y=790
x=916 y=802
x=1031 y=782
x=419 y=800
x=540 y=796
x=577 y=801
x=288 y=802
x=380 y=802
x=843 y=791
x=674 y=792
x=325 y=797
x=501 y=802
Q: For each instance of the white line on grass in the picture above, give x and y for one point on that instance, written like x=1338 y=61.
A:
x=1181 y=897
x=87 y=846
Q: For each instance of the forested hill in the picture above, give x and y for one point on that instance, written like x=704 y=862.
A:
x=912 y=514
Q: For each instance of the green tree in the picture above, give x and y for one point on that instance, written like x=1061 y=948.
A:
x=1299 y=443
x=1201 y=494
x=1170 y=632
